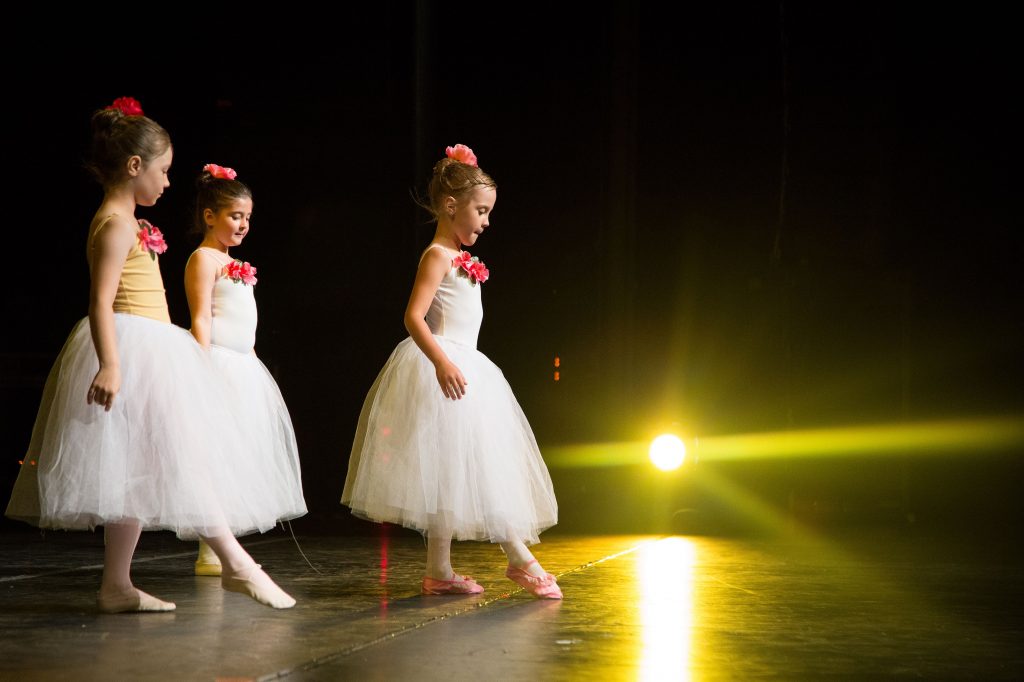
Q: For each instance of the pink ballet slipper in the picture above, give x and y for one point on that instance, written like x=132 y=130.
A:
x=544 y=587
x=459 y=584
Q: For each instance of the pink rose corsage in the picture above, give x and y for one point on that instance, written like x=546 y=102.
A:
x=471 y=267
x=129 y=106
x=220 y=171
x=462 y=154
x=151 y=239
x=237 y=271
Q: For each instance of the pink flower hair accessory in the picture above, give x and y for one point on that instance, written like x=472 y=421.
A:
x=471 y=267
x=462 y=154
x=221 y=172
x=151 y=239
x=129 y=106
x=239 y=272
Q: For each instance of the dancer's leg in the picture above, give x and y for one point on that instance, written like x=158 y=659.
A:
x=117 y=594
x=241 y=573
x=440 y=578
x=439 y=555
x=526 y=571
x=519 y=556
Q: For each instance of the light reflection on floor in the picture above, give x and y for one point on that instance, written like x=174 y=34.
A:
x=665 y=578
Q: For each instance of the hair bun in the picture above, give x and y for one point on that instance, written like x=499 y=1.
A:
x=104 y=120
x=443 y=165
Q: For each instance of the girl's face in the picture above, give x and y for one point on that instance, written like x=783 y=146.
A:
x=229 y=225
x=150 y=181
x=472 y=217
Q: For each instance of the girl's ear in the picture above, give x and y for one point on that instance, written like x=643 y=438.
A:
x=134 y=166
x=450 y=204
x=208 y=216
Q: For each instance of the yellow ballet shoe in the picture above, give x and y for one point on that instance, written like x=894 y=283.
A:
x=208 y=569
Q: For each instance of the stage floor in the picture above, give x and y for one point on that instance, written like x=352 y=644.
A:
x=879 y=605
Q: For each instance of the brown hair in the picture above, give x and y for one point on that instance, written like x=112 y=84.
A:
x=116 y=137
x=453 y=178
x=214 y=194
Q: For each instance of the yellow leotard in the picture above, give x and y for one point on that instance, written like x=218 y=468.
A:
x=140 y=290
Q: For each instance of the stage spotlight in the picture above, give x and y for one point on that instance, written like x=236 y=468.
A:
x=667 y=452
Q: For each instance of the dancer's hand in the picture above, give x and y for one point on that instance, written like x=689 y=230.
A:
x=453 y=384
x=105 y=386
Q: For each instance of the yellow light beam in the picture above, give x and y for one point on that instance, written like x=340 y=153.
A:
x=922 y=438
x=597 y=454
x=915 y=438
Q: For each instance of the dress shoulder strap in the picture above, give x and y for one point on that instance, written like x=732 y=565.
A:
x=434 y=245
x=214 y=255
x=90 y=240
x=101 y=224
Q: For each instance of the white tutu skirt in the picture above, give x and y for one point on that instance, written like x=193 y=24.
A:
x=257 y=403
x=172 y=453
x=427 y=462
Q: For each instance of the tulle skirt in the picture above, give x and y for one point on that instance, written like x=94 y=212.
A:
x=172 y=453
x=258 y=405
x=470 y=467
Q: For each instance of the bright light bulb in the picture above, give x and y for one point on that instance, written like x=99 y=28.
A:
x=667 y=452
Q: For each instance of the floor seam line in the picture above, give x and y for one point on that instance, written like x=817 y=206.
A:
x=329 y=658
x=93 y=567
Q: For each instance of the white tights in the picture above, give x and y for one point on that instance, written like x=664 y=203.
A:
x=439 y=555
x=241 y=573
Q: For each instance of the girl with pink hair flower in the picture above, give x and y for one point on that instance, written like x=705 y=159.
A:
x=442 y=445
x=135 y=432
x=223 y=307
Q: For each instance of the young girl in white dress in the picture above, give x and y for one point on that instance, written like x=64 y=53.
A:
x=442 y=445
x=134 y=431
x=220 y=298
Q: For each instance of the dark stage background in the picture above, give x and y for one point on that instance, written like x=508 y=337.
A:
x=732 y=218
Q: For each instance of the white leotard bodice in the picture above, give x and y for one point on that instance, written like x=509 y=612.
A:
x=457 y=309
x=234 y=309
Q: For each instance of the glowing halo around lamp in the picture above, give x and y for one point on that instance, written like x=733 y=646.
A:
x=667 y=452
